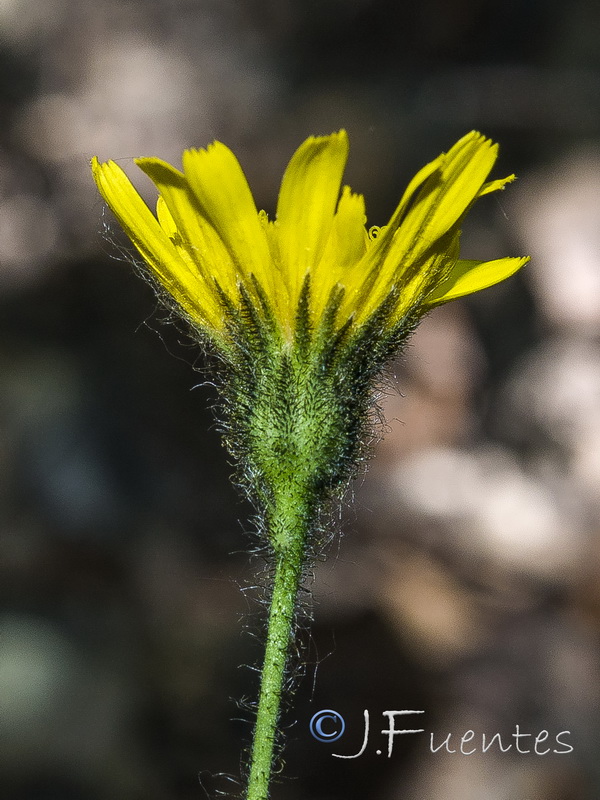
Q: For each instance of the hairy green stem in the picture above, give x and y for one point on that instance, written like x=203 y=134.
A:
x=289 y=561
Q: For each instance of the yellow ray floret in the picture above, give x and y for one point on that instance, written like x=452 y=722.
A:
x=208 y=240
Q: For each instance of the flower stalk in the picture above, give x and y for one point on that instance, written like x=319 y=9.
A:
x=304 y=311
x=286 y=582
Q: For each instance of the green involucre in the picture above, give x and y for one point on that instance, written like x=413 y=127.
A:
x=296 y=414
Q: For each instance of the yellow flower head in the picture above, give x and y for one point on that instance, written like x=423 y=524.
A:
x=216 y=255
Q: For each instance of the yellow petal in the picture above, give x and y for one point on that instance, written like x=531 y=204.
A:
x=452 y=183
x=166 y=221
x=422 y=175
x=307 y=199
x=221 y=189
x=470 y=276
x=416 y=284
x=494 y=186
x=369 y=270
x=447 y=194
x=142 y=227
x=205 y=288
x=345 y=247
x=204 y=246
x=348 y=238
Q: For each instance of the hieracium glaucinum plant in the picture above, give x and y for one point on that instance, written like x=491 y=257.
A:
x=303 y=310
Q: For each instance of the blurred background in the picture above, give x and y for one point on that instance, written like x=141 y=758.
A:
x=464 y=578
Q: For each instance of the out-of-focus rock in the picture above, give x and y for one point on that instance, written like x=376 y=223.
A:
x=493 y=510
x=557 y=211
